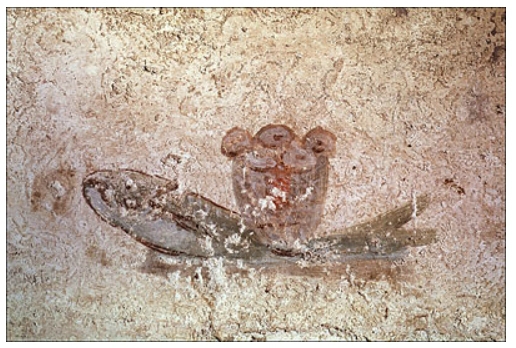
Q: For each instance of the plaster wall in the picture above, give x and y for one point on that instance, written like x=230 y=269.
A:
x=416 y=98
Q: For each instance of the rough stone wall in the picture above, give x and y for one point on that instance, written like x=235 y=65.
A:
x=416 y=98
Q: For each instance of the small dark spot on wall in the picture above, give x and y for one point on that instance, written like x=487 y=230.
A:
x=400 y=12
x=256 y=338
x=498 y=54
x=35 y=200
x=451 y=183
x=171 y=160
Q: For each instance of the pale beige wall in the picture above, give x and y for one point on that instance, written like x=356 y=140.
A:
x=415 y=97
